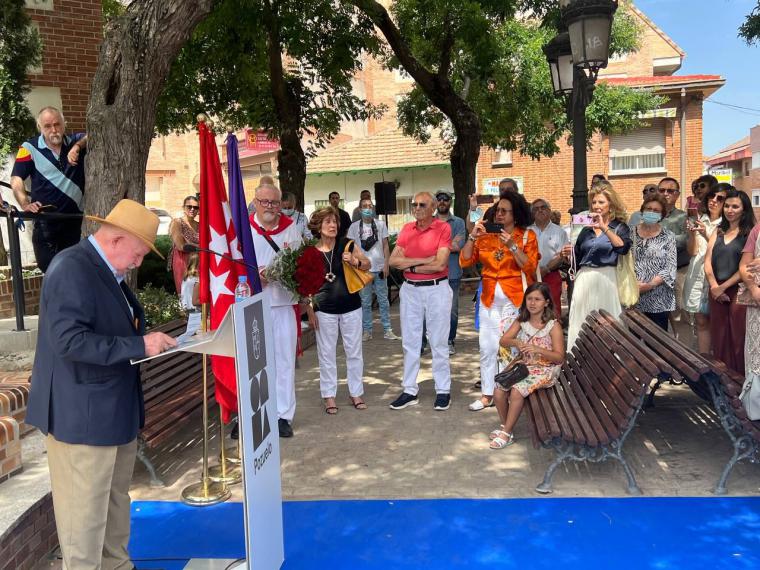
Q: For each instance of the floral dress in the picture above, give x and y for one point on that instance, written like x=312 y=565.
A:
x=541 y=372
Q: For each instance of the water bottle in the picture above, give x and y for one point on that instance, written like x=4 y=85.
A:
x=242 y=290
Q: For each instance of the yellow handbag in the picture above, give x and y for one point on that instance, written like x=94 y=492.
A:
x=356 y=279
x=628 y=285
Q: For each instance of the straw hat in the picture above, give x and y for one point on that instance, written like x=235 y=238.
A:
x=134 y=218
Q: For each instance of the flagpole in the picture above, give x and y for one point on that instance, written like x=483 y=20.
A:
x=223 y=473
x=206 y=492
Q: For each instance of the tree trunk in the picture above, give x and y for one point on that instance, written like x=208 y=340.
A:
x=135 y=59
x=291 y=159
x=464 y=161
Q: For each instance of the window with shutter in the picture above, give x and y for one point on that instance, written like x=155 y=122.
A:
x=639 y=151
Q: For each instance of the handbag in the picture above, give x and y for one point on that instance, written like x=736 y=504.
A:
x=356 y=279
x=512 y=374
x=627 y=284
x=750 y=396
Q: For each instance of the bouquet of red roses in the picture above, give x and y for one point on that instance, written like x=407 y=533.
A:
x=300 y=270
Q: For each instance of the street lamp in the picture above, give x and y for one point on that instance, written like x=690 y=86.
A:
x=579 y=53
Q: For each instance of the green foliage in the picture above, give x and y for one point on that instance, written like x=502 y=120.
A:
x=159 y=305
x=224 y=69
x=153 y=271
x=112 y=9
x=20 y=49
x=750 y=29
x=497 y=64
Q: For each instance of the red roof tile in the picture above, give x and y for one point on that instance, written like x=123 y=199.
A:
x=656 y=80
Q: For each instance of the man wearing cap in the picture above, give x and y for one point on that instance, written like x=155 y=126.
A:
x=54 y=161
x=458 y=237
x=422 y=252
x=85 y=396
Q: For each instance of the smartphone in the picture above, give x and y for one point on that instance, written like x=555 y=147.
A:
x=493 y=227
x=582 y=219
x=48 y=208
x=484 y=199
x=692 y=207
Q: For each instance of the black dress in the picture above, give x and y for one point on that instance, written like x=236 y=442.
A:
x=333 y=297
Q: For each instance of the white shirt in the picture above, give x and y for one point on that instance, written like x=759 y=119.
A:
x=376 y=255
x=550 y=242
x=290 y=237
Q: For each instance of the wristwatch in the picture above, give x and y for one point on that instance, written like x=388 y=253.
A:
x=471 y=237
x=413 y=269
x=513 y=248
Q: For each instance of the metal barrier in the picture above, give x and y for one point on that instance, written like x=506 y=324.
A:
x=11 y=213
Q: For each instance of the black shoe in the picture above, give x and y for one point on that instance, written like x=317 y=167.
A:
x=285 y=428
x=442 y=402
x=234 y=432
x=403 y=401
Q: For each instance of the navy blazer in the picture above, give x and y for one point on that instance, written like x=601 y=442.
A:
x=84 y=390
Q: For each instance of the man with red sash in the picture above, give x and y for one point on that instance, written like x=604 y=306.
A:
x=272 y=232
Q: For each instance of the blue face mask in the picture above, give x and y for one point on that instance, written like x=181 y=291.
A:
x=288 y=211
x=367 y=212
x=651 y=217
x=475 y=215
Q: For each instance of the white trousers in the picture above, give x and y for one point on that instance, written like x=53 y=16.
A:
x=285 y=340
x=432 y=305
x=494 y=321
x=349 y=325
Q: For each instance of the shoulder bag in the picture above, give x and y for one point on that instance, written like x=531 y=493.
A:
x=356 y=279
x=627 y=284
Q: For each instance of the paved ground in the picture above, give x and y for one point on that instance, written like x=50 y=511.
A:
x=677 y=449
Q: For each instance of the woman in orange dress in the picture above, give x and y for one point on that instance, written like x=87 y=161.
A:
x=508 y=253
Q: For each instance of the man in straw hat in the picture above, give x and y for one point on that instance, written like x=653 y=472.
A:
x=85 y=395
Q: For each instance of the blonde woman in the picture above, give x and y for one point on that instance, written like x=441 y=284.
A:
x=596 y=256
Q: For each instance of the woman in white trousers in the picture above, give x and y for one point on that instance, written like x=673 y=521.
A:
x=337 y=311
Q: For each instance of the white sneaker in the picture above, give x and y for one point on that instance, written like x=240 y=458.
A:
x=366 y=335
x=452 y=350
x=478 y=405
x=389 y=335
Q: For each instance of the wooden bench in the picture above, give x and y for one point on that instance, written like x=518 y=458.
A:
x=173 y=390
x=712 y=381
x=591 y=409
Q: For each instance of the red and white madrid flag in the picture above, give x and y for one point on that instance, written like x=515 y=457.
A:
x=218 y=276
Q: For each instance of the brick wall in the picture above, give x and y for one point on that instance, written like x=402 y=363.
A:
x=552 y=178
x=29 y=540
x=32 y=290
x=14 y=397
x=10 y=448
x=71 y=34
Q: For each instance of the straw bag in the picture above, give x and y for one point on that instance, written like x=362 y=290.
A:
x=627 y=284
x=356 y=279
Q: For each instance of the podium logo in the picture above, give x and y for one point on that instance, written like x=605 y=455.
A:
x=259 y=398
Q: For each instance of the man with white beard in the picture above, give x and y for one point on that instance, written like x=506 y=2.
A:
x=273 y=231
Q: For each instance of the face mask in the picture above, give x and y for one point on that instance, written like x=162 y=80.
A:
x=475 y=215
x=369 y=213
x=651 y=217
x=288 y=211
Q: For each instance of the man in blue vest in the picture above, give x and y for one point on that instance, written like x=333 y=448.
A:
x=55 y=163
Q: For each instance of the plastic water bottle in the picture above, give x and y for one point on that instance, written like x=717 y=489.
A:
x=242 y=290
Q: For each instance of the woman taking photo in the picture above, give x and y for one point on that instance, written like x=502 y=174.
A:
x=538 y=336
x=655 y=262
x=724 y=252
x=695 y=295
x=336 y=311
x=182 y=230
x=596 y=256
x=508 y=252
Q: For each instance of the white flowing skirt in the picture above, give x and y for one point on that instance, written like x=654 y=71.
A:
x=595 y=288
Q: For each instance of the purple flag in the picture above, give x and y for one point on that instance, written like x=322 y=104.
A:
x=240 y=212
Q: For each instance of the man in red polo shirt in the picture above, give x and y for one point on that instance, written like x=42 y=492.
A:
x=422 y=252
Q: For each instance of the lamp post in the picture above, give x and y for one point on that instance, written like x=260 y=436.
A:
x=575 y=57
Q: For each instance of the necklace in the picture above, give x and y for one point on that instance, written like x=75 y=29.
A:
x=329 y=276
x=498 y=254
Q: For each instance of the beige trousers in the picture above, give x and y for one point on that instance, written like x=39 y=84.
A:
x=91 y=502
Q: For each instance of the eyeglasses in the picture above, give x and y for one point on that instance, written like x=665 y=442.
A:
x=420 y=205
x=503 y=211
x=196 y=208
x=269 y=203
x=668 y=190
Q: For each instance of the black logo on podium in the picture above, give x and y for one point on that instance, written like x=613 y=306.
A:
x=257 y=361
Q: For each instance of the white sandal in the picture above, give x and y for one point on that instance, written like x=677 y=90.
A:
x=495 y=433
x=502 y=442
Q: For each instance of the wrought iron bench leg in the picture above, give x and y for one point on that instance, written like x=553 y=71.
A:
x=154 y=480
x=743 y=448
x=563 y=450
x=633 y=488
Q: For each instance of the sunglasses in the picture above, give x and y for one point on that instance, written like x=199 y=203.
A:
x=196 y=208
x=443 y=199
x=668 y=191
x=700 y=185
x=420 y=205
x=717 y=198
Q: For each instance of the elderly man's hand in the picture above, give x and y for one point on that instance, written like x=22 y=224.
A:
x=158 y=342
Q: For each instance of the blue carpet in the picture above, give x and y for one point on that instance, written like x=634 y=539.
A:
x=638 y=533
